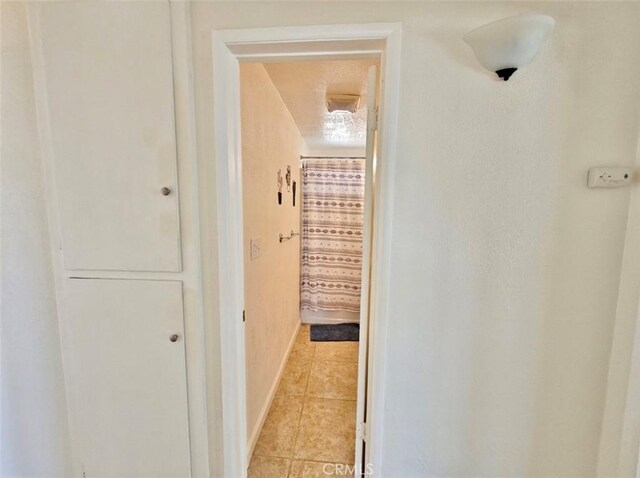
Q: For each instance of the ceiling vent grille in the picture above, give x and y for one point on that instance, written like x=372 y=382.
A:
x=349 y=103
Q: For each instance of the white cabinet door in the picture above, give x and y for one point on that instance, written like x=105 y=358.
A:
x=109 y=88
x=126 y=378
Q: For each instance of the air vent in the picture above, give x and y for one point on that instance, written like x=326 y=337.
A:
x=347 y=103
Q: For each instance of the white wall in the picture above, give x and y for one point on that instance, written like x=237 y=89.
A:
x=505 y=268
x=270 y=141
x=34 y=438
x=620 y=437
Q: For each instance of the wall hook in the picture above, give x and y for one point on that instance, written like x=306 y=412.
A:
x=288 y=178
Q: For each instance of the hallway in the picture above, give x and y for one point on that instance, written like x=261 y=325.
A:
x=311 y=421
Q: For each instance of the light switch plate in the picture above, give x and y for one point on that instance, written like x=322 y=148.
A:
x=610 y=177
x=256 y=247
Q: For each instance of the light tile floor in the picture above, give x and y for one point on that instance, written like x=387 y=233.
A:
x=312 y=419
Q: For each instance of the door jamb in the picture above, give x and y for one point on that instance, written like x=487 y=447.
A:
x=286 y=44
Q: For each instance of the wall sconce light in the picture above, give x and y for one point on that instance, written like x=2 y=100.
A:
x=505 y=45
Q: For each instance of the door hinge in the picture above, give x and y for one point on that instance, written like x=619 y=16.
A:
x=361 y=431
x=373 y=125
x=244 y=316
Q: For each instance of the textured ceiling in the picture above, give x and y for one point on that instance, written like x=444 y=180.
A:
x=303 y=87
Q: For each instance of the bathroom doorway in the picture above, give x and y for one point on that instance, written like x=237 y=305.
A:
x=304 y=129
x=243 y=426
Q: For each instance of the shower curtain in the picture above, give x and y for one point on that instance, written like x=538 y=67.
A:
x=332 y=222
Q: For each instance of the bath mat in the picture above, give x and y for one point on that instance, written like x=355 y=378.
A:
x=335 y=332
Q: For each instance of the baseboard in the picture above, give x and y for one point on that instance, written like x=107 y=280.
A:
x=253 y=438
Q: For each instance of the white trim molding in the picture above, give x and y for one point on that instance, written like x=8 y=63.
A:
x=292 y=44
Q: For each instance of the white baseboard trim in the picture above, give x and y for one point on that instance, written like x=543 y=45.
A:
x=253 y=438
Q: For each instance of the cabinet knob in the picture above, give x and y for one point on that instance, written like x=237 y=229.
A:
x=174 y=338
x=165 y=191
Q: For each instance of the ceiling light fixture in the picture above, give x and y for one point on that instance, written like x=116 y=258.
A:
x=348 y=103
x=505 y=45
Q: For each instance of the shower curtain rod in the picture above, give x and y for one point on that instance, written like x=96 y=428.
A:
x=332 y=157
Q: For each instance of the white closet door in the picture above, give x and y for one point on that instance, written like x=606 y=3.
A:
x=126 y=378
x=109 y=87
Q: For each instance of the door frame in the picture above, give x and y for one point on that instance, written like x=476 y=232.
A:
x=229 y=48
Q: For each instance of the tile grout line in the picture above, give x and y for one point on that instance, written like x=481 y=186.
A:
x=325 y=462
x=271 y=456
x=315 y=360
x=291 y=457
x=335 y=399
x=321 y=361
x=289 y=468
x=304 y=401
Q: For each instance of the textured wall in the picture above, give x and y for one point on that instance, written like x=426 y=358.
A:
x=270 y=141
x=35 y=440
x=505 y=268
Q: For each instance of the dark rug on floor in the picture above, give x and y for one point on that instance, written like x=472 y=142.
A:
x=335 y=332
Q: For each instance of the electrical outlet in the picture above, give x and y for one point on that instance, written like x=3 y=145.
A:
x=256 y=248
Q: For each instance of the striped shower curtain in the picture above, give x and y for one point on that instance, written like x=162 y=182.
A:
x=332 y=220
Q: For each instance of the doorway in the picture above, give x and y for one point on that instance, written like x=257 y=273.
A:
x=304 y=128
x=342 y=42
